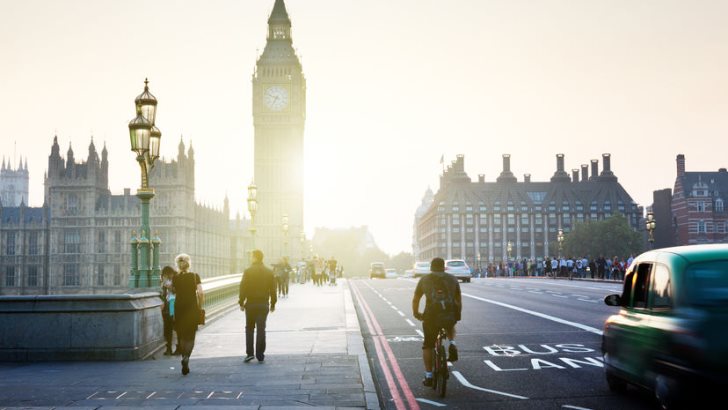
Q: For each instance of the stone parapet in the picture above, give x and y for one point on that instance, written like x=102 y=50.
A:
x=80 y=327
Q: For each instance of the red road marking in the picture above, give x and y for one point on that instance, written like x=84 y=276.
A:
x=379 y=339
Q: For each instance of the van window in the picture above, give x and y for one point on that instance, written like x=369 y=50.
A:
x=641 y=282
x=661 y=289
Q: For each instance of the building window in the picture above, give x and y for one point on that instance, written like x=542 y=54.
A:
x=102 y=242
x=700 y=206
x=71 y=241
x=456 y=219
x=718 y=205
x=468 y=219
x=10 y=276
x=33 y=243
x=511 y=219
x=524 y=220
x=10 y=243
x=70 y=275
x=100 y=275
x=497 y=220
x=72 y=204
x=701 y=226
x=32 y=275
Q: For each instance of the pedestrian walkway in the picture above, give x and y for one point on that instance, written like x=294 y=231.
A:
x=315 y=357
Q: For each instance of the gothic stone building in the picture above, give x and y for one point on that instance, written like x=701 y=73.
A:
x=14 y=184
x=475 y=221
x=698 y=206
x=79 y=240
x=279 y=116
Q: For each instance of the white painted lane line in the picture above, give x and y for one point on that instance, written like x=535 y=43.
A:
x=411 y=323
x=120 y=396
x=569 y=406
x=239 y=395
x=559 y=296
x=150 y=396
x=434 y=403
x=541 y=315
x=89 y=397
x=400 y=313
x=419 y=332
x=466 y=383
x=395 y=308
x=589 y=301
x=536 y=292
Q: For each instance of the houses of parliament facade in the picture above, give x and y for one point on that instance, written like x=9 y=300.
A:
x=78 y=242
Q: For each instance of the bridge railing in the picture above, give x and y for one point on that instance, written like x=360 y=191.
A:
x=221 y=293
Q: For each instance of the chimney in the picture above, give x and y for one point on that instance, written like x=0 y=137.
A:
x=481 y=178
x=506 y=175
x=606 y=164
x=575 y=175
x=681 y=165
x=594 y=169
x=584 y=172
x=560 y=175
x=506 y=163
x=559 y=163
x=526 y=178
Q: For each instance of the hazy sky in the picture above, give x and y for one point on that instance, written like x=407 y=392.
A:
x=392 y=86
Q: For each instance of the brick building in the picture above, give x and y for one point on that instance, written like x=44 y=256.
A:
x=699 y=206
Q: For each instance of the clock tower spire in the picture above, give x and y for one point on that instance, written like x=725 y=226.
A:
x=279 y=113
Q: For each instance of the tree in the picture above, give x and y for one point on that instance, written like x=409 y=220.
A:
x=402 y=261
x=610 y=237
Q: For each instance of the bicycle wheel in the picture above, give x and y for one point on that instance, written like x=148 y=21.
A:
x=441 y=375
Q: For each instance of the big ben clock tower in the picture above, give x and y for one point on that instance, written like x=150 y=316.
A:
x=279 y=114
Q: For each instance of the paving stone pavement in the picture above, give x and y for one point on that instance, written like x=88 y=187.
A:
x=314 y=357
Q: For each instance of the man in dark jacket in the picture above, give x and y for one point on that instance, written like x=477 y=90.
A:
x=257 y=297
x=435 y=316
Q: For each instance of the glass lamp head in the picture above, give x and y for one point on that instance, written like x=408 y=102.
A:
x=147 y=103
x=139 y=134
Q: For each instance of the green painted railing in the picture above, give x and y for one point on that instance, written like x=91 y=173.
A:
x=221 y=292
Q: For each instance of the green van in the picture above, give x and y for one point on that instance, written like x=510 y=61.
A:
x=671 y=332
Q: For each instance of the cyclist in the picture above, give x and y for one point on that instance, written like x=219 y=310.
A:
x=443 y=306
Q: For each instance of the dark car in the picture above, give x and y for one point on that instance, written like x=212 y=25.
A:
x=376 y=270
x=671 y=333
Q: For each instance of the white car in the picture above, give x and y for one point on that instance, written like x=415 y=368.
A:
x=390 y=273
x=421 y=269
x=459 y=269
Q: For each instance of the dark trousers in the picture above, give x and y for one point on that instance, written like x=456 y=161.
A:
x=255 y=317
x=168 y=327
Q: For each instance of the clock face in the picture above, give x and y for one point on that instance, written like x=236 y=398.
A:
x=276 y=98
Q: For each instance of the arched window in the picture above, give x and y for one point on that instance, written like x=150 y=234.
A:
x=718 y=205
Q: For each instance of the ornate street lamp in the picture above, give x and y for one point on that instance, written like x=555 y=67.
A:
x=560 y=238
x=252 y=208
x=145 y=140
x=650 y=226
x=509 y=248
x=284 y=223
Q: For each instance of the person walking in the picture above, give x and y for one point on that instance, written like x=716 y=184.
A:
x=257 y=298
x=190 y=297
x=168 y=296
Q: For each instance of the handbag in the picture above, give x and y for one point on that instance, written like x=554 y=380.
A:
x=202 y=317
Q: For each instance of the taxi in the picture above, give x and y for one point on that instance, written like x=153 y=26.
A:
x=671 y=332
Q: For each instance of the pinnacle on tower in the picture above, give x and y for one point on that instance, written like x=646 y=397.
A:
x=279 y=13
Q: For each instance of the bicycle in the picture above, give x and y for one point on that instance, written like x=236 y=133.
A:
x=440 y=372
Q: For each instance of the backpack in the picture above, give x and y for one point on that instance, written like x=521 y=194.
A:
x=441 y=305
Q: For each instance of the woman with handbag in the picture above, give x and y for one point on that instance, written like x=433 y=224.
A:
x=188 y=307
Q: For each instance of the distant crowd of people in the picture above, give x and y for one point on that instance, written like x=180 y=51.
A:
x=580 y=267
